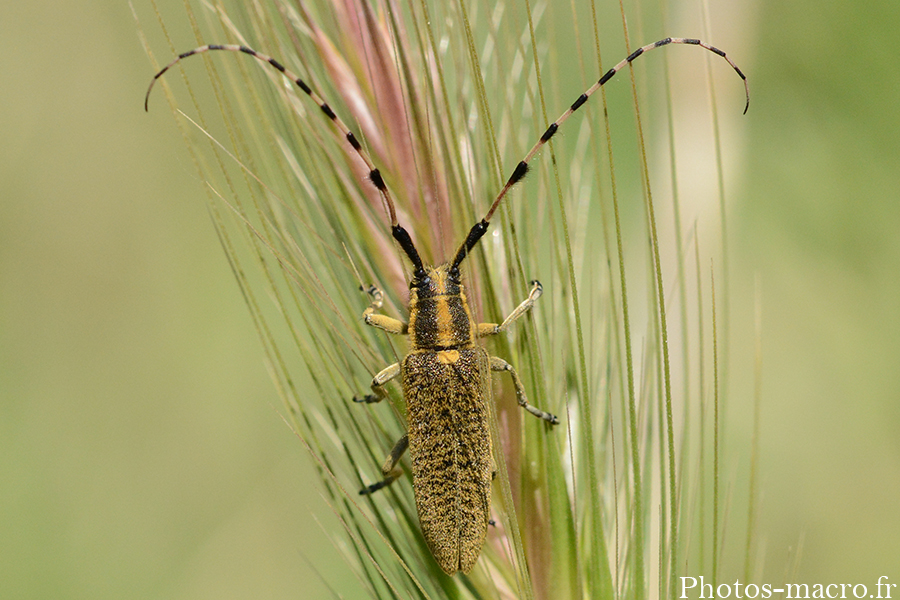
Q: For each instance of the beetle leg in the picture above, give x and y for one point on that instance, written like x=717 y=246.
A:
x=498 y=364
x=485 y=329
x=378 y=385
x=383 y=322
x=389 y=469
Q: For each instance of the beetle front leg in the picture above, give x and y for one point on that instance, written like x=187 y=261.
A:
x=486 y=329
x=498 y=364
x=383 y=322
x=389 y=325
x=378 y=385
x=389 y=469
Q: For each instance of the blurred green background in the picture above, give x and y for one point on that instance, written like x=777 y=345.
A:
x=142 y=450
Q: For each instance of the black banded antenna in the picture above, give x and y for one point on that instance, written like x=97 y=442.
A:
x=480 y=228
x=522 y=168
x=374 y=176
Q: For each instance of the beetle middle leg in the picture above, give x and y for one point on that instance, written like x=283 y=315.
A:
x=378 y=382
x=498 y=364
x=389 y=469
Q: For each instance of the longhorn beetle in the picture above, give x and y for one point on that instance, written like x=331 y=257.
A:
x=446 y=374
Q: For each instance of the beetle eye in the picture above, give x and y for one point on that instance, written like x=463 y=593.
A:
x=419 y=281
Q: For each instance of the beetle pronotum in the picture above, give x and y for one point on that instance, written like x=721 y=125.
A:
x=446 y=374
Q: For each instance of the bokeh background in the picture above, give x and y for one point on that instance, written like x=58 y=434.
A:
x=141 y=449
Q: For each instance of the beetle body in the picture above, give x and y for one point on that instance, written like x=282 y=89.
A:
x=446 y=381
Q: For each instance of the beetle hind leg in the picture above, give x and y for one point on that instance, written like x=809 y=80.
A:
x=389 y=469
